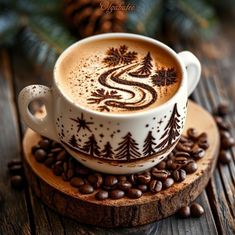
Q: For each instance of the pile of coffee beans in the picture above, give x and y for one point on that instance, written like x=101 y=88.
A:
x=195 y=210
x=17 y=179
x=174 y=169
x=226 y=139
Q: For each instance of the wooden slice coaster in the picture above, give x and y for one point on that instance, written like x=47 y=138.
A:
x=66 y=200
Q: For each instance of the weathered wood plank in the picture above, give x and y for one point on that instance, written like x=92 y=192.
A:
x=13 y=211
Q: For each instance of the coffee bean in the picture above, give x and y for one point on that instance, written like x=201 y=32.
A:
x=227 y=143
x=182 y=154
x=222 y=124
x=160 y=174
x=57 y=168
x=223 y=109
x=225 y=157
x=155 y=186
x=16 y=170
x=184 y=212
x=17 y=182
x=35 y=148
x=161 y=165
x=203 y=144
x=45 y=144
x=134 y=193
x=70 y=173
x=192 y=133
x=191 y=167
x=110 y=180
x=86 y=189
x=142 y=187
x=96 y=180
x=179 y=175
x=49 y=161
x=61 y=156
x=121 y=178
x=183 y=139
x=14 y=162
x=144 y=178
x=82 y=170
x=181 y=160
x=56 y=150
x=196 y=210
x=40 y=155
x=224 y=134
x=102 y=195
x=188 y=144
x=169 y=164
x=117 y=194
x=132 y=179
x=203 y=137
x=124 y=185
x=77 y=182
x=181 y=147
x=167 y=183
x=198 y=152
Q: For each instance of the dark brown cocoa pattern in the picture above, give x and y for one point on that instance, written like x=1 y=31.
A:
x=124 y=58
x=91 y=147
x=145 y=70
x=107 y=152
x=171 y=130
x=73 y=142
x=149 y=145
x=164 y=77
x=82 y=123
x=128 y=148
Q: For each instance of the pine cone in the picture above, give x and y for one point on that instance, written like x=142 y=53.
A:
x=88 y=17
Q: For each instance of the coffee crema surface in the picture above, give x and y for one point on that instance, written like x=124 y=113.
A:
x=119 y=75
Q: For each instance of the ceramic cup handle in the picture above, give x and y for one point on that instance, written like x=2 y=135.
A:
x=44 y=126
x=193 y=68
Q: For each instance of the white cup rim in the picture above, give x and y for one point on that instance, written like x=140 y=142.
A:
x=121 y=35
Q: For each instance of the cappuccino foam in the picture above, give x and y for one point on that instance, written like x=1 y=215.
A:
x=119 y=75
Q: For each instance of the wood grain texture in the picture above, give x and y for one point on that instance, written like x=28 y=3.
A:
x=60 y=196
x=13 y=210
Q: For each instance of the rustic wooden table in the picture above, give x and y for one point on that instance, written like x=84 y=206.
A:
x=23 y=213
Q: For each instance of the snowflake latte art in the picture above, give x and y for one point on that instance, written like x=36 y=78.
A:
x=119 y=75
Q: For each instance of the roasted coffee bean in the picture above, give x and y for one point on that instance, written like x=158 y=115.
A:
x=197 y=152
x=65 y=166
x=49 y=162
x=179 y=175
x=102 y=195
x=124 y=185
x=45 y=144
x=134 y=193
x=144 y=178
x=227 y=143
x=57 y=168
x=181 y=147
x=117 y=194
x=17 y=182
x=181 y=160
x=167 y=183
x=64 y=176
x=161 y=165
x=191 y=167
x=225 y=157
x=189 y=144
x=77 y=182
x=155 y=186
x=183 y=139
x=192 y=133
x=184 y=212
x=224 y=134
x=70 y=173
x=169 y=164
x=121 y=178
x=14 y=162
x=171 y=156
x=196 y=210
x=142 y=187
x=86 y=189
x=182 y=154
x=35 y=148
x=132 y=179
x=222 y=124
x=203 y=137
x=56 y=150
x=82 y=170
x=160 y=174
x=203 y=144
x=96 y=180
x=110 y=180
x=16 y=170
x=61 y=156
x=223 y=109
x=40 y=155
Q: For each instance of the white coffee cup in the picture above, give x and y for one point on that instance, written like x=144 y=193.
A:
x=135 y=147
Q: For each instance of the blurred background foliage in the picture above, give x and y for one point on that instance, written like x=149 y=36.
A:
x=42 y=29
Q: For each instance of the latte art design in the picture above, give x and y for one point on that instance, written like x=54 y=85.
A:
x=137 y=78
